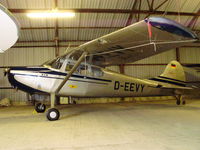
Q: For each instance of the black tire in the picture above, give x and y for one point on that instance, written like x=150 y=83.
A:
x=53 y=114
x=40 y=108
x=178 y=102
x=184 y=102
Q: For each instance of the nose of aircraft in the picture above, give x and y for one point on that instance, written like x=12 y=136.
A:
x=6 y=71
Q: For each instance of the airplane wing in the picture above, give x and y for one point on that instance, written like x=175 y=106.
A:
x=193 y=66
x=162 y=85
x=137 y=41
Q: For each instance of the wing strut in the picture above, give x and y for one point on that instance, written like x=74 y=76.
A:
x=52 y=113
x=71 y=71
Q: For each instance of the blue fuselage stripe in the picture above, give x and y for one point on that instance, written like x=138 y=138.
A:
x=60 y=78
x=167 y=81
x=52 y=72
x=171 y=79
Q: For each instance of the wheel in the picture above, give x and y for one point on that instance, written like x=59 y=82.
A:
x=178 y=102
x=53 y=114
x=184 y=102
x=40 y=108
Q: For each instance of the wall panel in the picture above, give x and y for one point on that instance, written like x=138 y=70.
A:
x=190 y=55
x=21 y=57
x=36 y=56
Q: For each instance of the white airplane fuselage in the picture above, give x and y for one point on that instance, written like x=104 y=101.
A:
x=103 y=83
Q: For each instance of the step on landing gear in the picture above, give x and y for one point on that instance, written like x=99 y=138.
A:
x=40 y=108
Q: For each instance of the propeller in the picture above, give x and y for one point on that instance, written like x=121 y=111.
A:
x=6 y=71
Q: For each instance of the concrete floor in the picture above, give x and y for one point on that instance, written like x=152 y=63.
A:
x=119 y=126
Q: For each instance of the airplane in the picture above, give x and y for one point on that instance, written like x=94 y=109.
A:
x=81 y=72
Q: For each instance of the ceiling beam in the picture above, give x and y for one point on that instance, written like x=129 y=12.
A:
x=38 y=28
x=152 y=5
x=148 y=4
x=138 y=15
x=44 y=28
x=160 y=5
x=38 y=46
x=193 y=21
x=43 y=41
x=131 y=14
x=76 y=45
x=56 y=32
x=156 y=8
x=196 y=44
x=108 y=11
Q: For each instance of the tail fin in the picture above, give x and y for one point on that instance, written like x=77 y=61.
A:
x=174 y=71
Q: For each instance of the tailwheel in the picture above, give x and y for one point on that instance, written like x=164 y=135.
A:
x=178 y=102
x=40 y=108
x=184 y=102
x=53 y=114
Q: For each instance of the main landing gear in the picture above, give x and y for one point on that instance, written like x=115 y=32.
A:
x=179 y=100
x=53 y=114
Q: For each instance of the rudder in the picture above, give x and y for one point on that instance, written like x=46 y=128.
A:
x=174 y=70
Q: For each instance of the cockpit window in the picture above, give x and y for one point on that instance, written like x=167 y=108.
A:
x=97 y=72
x=89 y=70
x=57 y=63
x=75 y=55
x=68 y=61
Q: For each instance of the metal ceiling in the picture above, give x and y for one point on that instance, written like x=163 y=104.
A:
x=93 y=18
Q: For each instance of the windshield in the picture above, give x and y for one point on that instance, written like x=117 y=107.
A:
x=58 y=62
x=68 y=61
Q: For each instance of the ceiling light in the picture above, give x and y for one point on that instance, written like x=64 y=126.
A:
x=9 y=29
x=51 y=14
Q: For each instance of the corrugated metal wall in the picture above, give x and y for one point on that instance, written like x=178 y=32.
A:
x=36 y=56
x=21 y=57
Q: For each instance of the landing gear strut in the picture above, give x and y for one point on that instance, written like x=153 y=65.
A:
x=179 y=99
x=53 y=114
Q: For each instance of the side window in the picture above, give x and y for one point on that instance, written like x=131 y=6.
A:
x=57 y=63
x=83 y=69
x=69 y=67
x=97 y=72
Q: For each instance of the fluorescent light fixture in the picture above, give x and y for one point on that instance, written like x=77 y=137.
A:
x=1 y=51
x=9 y=29
x=51 y=14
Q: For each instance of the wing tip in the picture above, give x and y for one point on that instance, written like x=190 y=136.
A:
x=171 y=26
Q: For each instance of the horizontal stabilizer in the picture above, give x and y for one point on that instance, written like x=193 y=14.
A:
x=173 y=77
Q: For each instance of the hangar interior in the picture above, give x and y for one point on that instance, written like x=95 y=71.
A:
x=158 y=125
x=44 y=39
